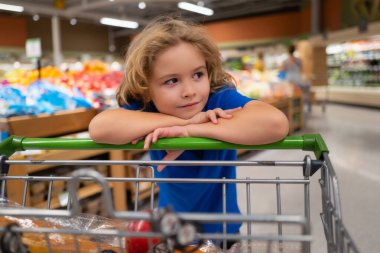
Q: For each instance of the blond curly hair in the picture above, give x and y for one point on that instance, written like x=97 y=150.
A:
x=163 y=33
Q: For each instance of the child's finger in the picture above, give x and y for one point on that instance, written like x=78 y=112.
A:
x=147 y=141
x=159 y=133
x=170 y=156
x=156 y=133
x=160 y=168
x=135 y=141
x=222 y=114
x=212 y=116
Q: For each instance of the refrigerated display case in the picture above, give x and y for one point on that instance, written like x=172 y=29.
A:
x=354 y=72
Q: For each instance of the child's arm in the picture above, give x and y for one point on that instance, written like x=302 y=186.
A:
x=119 y=126
x=257 y=123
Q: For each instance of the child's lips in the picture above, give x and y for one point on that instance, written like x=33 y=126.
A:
x=189 y=105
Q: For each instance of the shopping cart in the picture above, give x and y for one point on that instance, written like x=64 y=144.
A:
x=276 y=231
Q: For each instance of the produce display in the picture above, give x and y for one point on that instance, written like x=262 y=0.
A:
x=22 y=92
x=26 y=77
x=354 y=64
x=262 y=85
x=39 y=97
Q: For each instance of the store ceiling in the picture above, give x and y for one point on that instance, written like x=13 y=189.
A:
x=128 y=9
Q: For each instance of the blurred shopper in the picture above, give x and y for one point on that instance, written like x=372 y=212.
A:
x=259 y=62
x=292 y=67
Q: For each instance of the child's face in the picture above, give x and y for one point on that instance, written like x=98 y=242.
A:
x=179 y=84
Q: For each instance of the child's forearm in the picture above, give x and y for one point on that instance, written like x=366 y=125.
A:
x=120 y=126
x=257 y=123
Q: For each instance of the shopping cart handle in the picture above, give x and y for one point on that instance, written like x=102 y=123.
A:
x=307 y=142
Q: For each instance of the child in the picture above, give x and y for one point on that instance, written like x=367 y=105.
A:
x=175 y=86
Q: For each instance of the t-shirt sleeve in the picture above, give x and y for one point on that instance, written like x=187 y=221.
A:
x=228 y=98
x=139 y=106
x=134 y=106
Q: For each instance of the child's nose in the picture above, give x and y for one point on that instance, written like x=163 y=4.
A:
x=188 y=89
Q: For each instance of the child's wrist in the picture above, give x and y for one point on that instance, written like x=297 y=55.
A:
x=186 y=122
x=193 y=130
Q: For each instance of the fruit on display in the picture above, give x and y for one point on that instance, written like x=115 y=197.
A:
x=91 y=84
x=94 y=82
x=26 y=77
x=249 y=84
x=95 y=66
x=139 y=244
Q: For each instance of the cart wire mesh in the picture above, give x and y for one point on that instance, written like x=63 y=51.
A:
x=278 y=231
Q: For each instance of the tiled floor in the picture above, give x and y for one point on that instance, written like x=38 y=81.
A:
x=352 y=135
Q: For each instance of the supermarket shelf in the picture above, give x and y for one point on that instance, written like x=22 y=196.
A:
x=292 y=107
x=366 y=96
x=46 y=125
x=58 y=155
x=83 y=193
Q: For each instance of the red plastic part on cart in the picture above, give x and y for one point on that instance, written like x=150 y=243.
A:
x=139 y=244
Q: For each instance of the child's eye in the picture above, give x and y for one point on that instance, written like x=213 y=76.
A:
x=171 y=81
x=198 y=75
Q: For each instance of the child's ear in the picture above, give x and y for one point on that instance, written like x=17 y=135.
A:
x=146 y=95
x=146 y=98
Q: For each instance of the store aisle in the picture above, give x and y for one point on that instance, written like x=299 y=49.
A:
x=353 y=138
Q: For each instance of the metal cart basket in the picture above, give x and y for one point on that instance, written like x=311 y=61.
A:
x=30 y=229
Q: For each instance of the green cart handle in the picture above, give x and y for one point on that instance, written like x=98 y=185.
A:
x=307 y=142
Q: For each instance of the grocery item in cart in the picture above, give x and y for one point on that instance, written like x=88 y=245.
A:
x=58 y=242
x=139 y=244
x=94 y=223
x=206 y=247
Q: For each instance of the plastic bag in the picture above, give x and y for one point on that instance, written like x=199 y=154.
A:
x=39 y=97
x=50 y=98
x=12 y=102
x=209 y=247
x=36 y=242
x=86 y=222
x=6 y=203
x=266 y=246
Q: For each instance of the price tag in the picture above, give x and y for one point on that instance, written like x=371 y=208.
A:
x=3 y=135
x=33 y=48
x=3 y=131
x=63 y=198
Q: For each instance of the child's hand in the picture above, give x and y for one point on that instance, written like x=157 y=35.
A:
x=212 y=115
x=164 y=132
x=174 y=131
x=136 y=140
x=170 y=156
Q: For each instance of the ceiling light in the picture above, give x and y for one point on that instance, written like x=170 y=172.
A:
x=36 y=17
x=119 y=22
x=195 y=8
x=142 y=5
x=8 y=7
x=112 y=48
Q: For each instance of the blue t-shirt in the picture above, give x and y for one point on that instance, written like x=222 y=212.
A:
x=201 y=197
